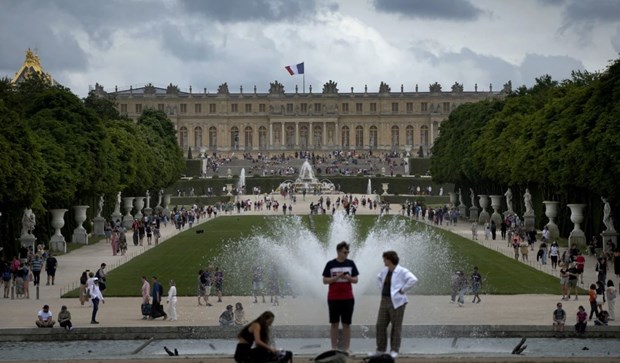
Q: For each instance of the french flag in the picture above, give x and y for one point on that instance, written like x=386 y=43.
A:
x=295 y=69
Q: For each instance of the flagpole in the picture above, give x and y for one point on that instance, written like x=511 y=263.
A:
x=304 y=82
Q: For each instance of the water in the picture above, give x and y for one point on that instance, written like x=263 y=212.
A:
x=369 y=188
x=305 y=173
x=293 y=252
x=241 y=182
x=307 y=182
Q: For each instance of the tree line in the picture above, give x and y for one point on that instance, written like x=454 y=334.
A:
x=57 y=151
x=559 y=139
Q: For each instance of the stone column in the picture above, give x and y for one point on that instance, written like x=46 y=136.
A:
x=484 y=203
x=57 y=241
x=282 y=136
x=310 y=136
x=79 y=233
x=432 y=141
x=576 y=216
x=297 y=134
x=324 y=134
x=551 y=211
x=270 y=136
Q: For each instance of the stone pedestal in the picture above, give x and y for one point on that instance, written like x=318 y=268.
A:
x=128 y=218
x=57 y=241
x=28 y=240
x=576 y=216
x=496 y=203
x=79 y=233
x=609 y=236
x=463 y=211
x=473 y=214
x=98 y=226
x=484 y=216
x=529 y=222
x=551 y=211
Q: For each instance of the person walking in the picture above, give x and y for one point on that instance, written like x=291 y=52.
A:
x=51 y=264
x=83 y=288
x=157 y=310
x=340 y=273
x=146 y=288
x=476 y=284
x=172 y=301
x=393 y=281
x=36 y=266
x=95 y=298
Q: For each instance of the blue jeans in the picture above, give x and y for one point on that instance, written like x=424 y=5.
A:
x=95 y=308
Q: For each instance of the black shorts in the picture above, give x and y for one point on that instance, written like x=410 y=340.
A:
x=340 y=311
x=51 y=272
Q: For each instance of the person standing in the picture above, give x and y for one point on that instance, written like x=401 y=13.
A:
x=257 y=283
x=157 y=310
x=611 y=293
x=146 y=288
x=172 y=301
x=201 y=290
x=476 y=283
x=95 y=298
x=100 y=274
x=37 y=266
x=394 y=281
x=340 y=273
x=219 y=282
x=51 y=264
x=83 y=288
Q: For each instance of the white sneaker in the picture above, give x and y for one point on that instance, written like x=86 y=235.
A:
x=376 y=353
x=394 y=354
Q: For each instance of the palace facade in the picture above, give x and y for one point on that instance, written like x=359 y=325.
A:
x=282 y=122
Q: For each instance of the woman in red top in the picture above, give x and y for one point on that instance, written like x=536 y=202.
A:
x=593 y=306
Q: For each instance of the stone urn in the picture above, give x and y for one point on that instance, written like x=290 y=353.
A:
x=128 y=218
x=496 y=203
x=166 y=204
x=229 y=188
x=452 y=198
x=551 y=211
x=384 y=186
x=484 y=216
x=576 y=216
x=79 y=233
x=57 y=241
x=138 y=203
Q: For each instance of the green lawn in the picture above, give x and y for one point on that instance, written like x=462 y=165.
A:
x=299 y=247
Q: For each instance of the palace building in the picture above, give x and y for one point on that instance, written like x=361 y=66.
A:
x=282 y=122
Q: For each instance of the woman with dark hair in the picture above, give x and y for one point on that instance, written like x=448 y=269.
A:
x=256 y=334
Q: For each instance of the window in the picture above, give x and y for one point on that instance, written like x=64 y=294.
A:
x=409 y=135
x=197 y=108
x=373 y=107
x=198 y=137
x=184 y=108
x=234 y=107
x=248 y=108
x=138 y=108
x=183 y=138
x=424 y=135
x=261 y=107
x=317 y=107
x=289 y=108
x=424 y=106
x=344 y=135
x=359 y=137
x=373 y=137
x=249 y=134
x=160 y=106
x=345 y=107
x=234 y=138
x=394 y=106
x=124 y=108
x=395 y=137
x=358 y=107
x=304 y=107
x=212 y=108
x=446 y=107
x=262 y=137
x=409 y=107
x=212 y=138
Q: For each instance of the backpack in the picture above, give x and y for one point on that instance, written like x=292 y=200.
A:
x=6 y=275
x=331 y=356
x=382 y=358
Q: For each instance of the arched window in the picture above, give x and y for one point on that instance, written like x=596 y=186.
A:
x=212 y=138
x=424 y=135
x=359 y=137
x=183 y=140
x=344 y=134
x=249 y=134
x=198 y=137
x=395 y=137
x=262 y=138
x=234 y=138
x=373 y=137
x=409 y=135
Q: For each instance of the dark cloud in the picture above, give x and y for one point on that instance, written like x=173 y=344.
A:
x=558 y=67
x=459 y=10
x=184 y=46
x=552 y=2
x=583 y=11
x=230 y=11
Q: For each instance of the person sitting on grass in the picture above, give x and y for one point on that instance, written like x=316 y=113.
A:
x=45 y=319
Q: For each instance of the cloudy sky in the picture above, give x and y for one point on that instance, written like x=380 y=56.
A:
x=204 y=43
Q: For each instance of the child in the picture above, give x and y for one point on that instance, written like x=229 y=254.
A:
x=64 y=318
x=582 y=320
x=239 y=315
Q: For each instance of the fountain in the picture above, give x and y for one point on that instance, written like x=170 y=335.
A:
x=306 y=253
x=241 y=182
x=308 y=182
x=369 y=187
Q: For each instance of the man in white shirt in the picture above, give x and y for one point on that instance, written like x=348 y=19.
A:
x=45 y=318
x=393 y=282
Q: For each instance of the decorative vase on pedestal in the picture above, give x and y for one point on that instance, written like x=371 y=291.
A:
x=57 y=241
x=484 y=216
x=128 y=218
x=452 y=198
x=79 y=233
x=229 y=188
x=551 y=211
x=385 y=188
x=576 y=216
x=138 y=203
x=496 y=203
x=166 y=204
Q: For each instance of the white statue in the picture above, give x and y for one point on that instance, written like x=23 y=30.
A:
x=161 y=195
x=101 y=202
x=472 y=196
x=461 y=197
x=28 y=222
x=527 y=199
x=148 y=199
x=607 y=218
x=117 y=207
x=508 y=195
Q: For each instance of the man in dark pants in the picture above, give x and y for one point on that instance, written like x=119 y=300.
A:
x=340 y=273
x=157 y=309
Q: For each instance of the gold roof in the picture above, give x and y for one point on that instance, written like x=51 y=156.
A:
x=31 y=65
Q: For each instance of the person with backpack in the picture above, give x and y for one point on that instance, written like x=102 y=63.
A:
x=101 y=276
x=157 y=309
x=393 y=281
x=6 y=280
x=51 y=264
